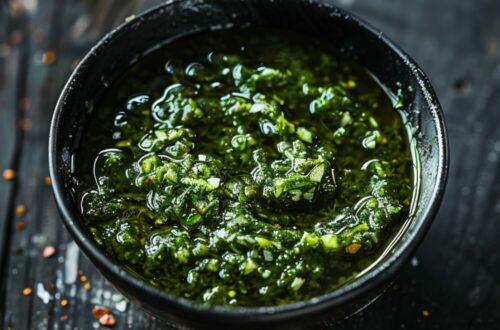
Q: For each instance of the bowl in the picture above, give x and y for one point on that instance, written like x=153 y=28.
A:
x=176 y=19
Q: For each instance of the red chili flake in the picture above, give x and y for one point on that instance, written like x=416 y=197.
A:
x=107 y=320
x=51 y=285
x=16 y=37
x=49 y=57
x=24 y=124
x=47 y=180
x=64 y=302
x=99 y=312
x=20 y=210
x=65 y=317
x=49 y=251
x=9 y=174
x=20 y=226
x=353 y=248
x=83 y=278
x=27 y=291
x=148 y=180
x=24 y=103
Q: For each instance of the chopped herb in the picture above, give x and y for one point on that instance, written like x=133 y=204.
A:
x=252 y=176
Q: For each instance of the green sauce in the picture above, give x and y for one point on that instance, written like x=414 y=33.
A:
x=245 y=168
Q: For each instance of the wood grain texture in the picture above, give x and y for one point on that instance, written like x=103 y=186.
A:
x=452 y=283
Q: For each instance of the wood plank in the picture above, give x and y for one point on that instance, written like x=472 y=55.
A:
x=55 y=279
x=13 y=59
x=32 y=168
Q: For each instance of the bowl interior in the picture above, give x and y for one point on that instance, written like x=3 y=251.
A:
x=112 y=56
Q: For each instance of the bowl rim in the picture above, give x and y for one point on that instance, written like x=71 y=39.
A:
x=379 y=275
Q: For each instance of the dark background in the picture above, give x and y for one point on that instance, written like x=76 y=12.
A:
x=453 y=282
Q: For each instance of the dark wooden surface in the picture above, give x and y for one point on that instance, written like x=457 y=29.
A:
x=453 y=282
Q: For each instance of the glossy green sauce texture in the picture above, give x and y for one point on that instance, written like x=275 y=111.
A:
x=245 y=168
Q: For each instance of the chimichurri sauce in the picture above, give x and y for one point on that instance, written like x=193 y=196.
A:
x=245 y=168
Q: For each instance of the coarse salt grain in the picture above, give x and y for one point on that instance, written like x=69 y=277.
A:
x=49 y=251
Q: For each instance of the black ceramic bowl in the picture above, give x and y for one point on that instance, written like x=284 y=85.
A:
x=176 y=19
